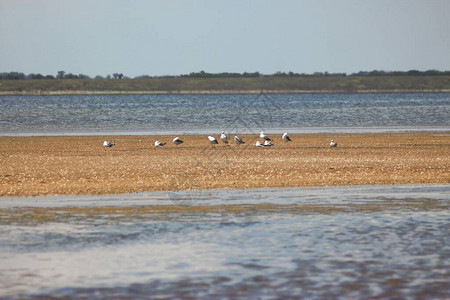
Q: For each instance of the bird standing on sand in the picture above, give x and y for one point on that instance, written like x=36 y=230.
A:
x=238 y=140
x=212 y=140
x=286 y=138
x=177 y=141
x=108 y=144
x=224 y=137
x=265 y=137
x=267 y=144
x=159 y=144
x=333 y=143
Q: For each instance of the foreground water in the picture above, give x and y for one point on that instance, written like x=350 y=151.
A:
x=338 y=242
x=193 y=114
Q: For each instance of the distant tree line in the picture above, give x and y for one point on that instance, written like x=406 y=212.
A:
x=59 y=75
x=203 y=74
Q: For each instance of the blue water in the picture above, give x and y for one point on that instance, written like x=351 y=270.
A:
x=381 y=242
x=159 y=114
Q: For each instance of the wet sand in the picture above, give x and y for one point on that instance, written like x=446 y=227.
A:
x=75 y=165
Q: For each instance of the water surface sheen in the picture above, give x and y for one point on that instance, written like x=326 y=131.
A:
x=159 y=114
x=376 y=242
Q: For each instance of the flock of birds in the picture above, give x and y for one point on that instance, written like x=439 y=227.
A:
x=224 y=138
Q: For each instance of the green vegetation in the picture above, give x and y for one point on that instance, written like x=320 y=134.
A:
x=201 y=82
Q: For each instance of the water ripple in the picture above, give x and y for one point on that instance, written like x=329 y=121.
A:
x=83 y=114
x=395 y=252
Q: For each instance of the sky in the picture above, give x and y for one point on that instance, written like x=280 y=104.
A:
x=172 y=37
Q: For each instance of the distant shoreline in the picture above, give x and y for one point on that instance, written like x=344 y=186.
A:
x=217 y=92
x=199 y=86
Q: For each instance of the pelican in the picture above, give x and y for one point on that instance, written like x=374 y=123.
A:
x=224 y=137
x=238 y=140
x=267 y=144
x=108 y=144
x=177 y=141
x=159 y=144
x=212 y=140
x=333 y=143
x=265 y=137
x=286 y=138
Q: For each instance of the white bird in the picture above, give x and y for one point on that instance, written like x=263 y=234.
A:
x=108 y=144
x=265 y=137
x=238 y=140
x=258 y=144
x=224 y=137
x=177 y=141
x=267 y=144
x=159 y=144
x=212 y=140
x=286 y=138
x=333 y=143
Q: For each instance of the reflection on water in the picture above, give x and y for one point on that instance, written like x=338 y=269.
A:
x=309 y=243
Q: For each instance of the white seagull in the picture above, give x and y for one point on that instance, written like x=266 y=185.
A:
x=265 y=137
x=177 y=141
x=224 y=137
x=258 y=144
x=267 y=144
x=212 y=140
x=108 y=144
x=286 y=138
x=333 y=143
x=238 y=140
x=159 y=144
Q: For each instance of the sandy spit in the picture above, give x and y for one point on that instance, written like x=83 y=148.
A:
x=75 y=165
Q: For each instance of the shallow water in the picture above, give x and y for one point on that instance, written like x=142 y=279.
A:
x=194 y=114
x=337 y=242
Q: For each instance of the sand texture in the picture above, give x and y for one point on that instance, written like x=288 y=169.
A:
x=32 y=166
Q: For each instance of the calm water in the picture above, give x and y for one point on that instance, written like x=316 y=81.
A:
x=382 y=242
x=157 y=114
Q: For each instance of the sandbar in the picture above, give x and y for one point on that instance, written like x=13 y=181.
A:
x=80 y=165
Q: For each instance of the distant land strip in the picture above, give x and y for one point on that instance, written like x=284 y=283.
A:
x=214 y=92
x=180 y=85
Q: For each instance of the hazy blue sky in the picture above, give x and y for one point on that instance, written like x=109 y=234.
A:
x=136 y=37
